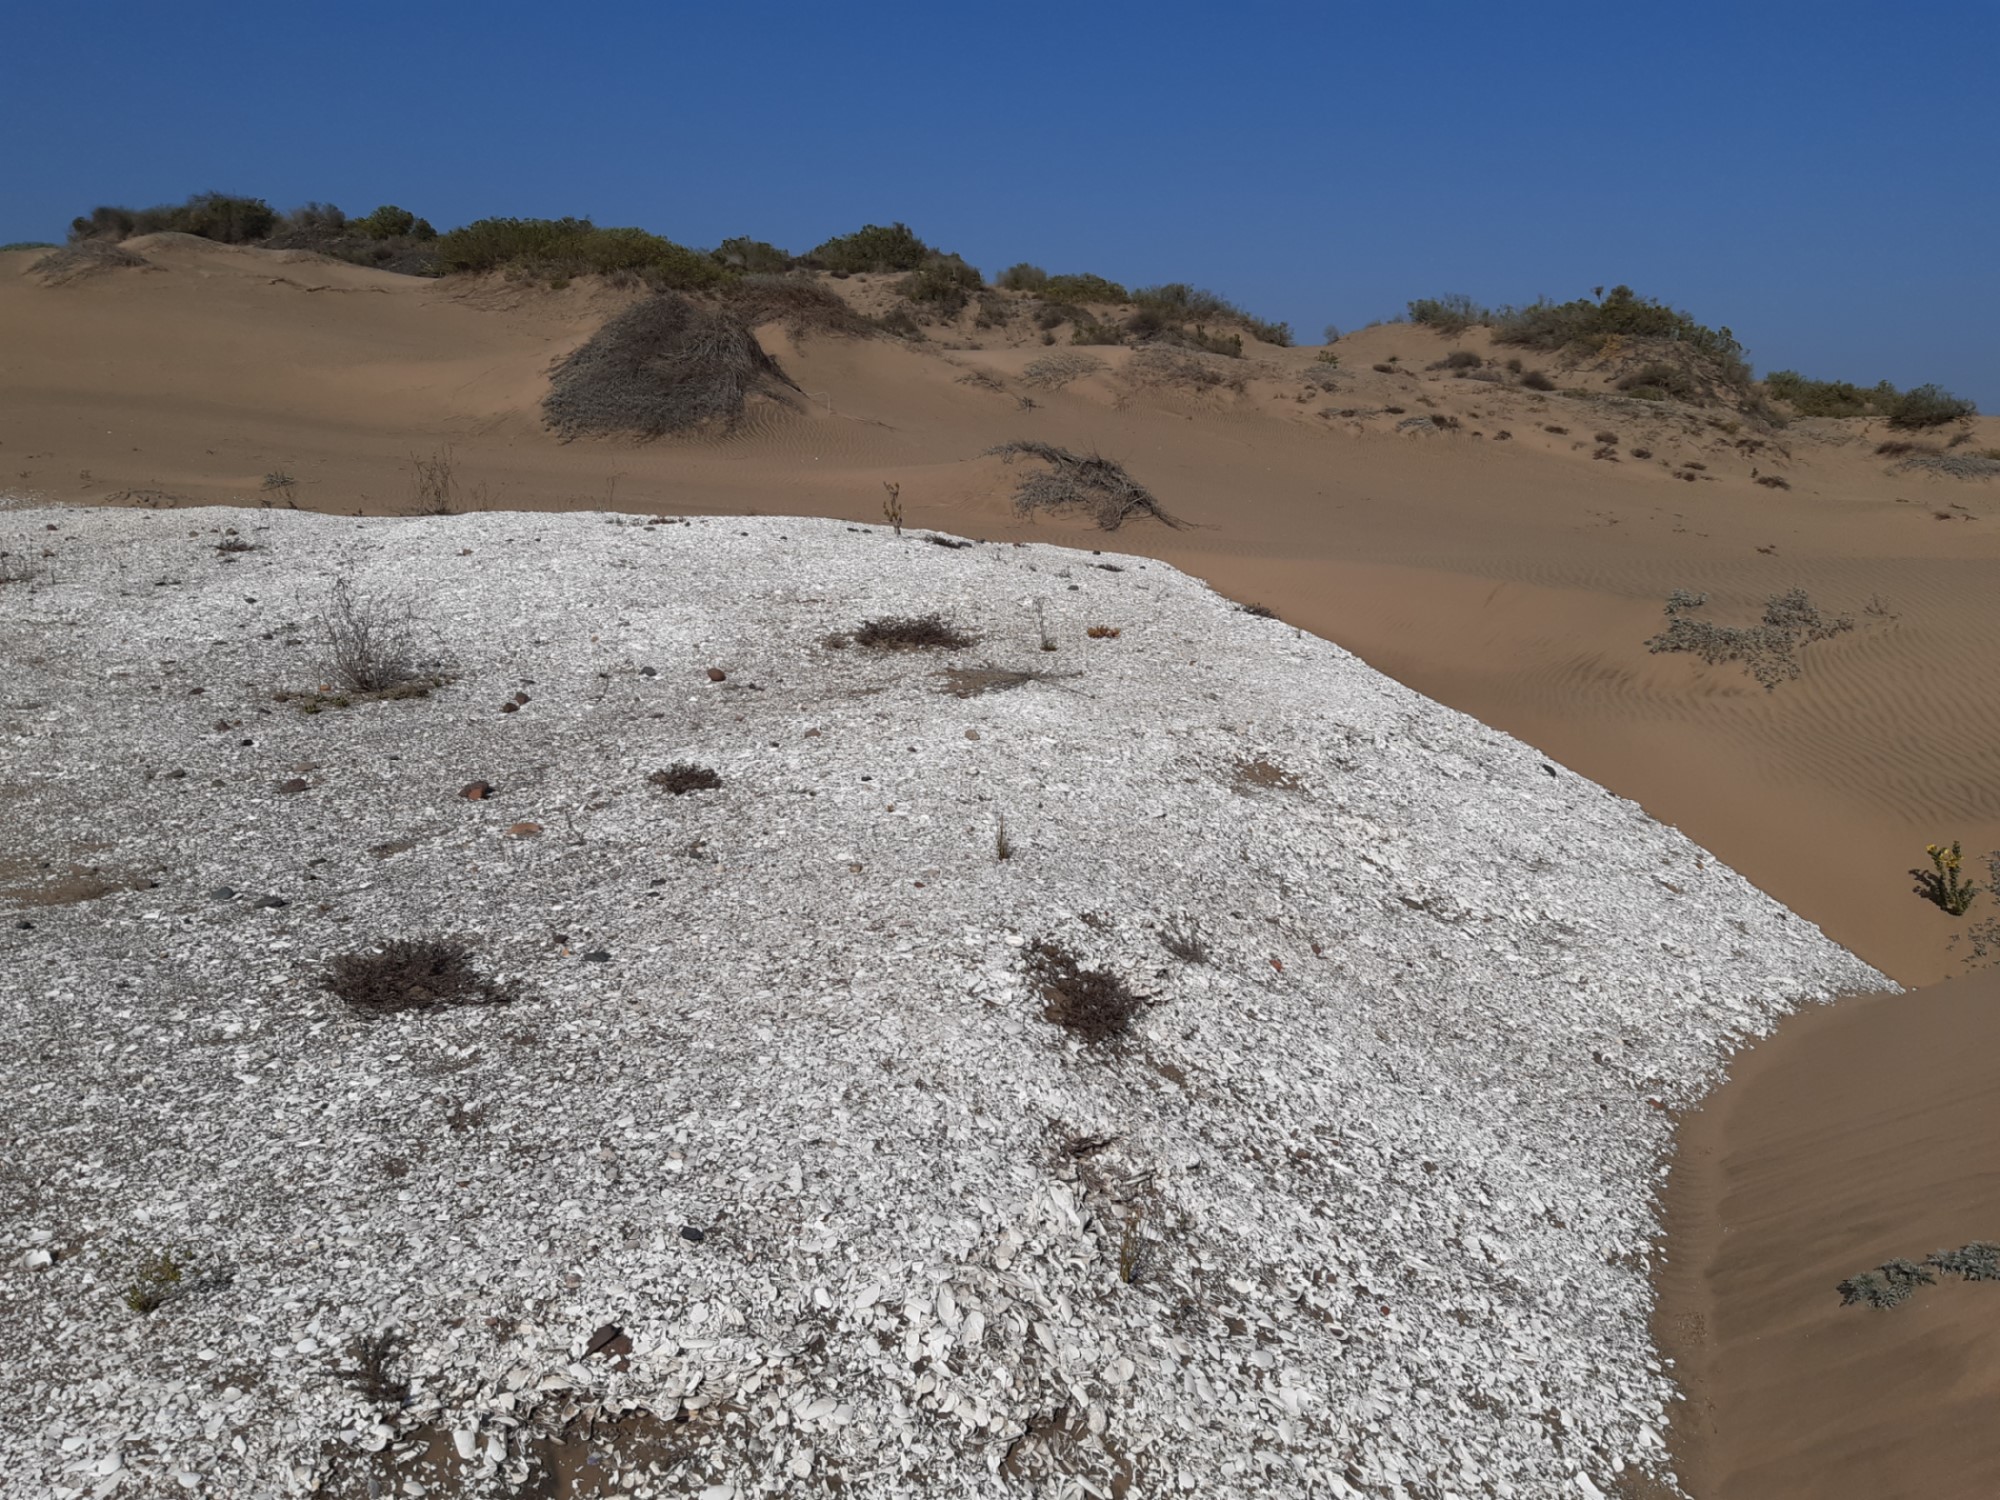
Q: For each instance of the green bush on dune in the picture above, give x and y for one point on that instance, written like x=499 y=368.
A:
x=873 y=247
x=573 y=247
x=223 y=217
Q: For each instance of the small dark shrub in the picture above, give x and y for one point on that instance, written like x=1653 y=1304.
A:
x=1928 y=406
x=1451 y=314
x=1261 y=611
x=555 y=248
x=1048 y=316
x=1082 y=288
x=1459 y=359
x=1558 y=431
x=1095 y=1004
x=1642 y=452
x=390 y=222
x=753 y=257
x=943 y=281
x=1774 y=482
x=1656 y=381
x=1278 y=334
x=801 y=303
x=1022 y=277
x=680 y=778
x=1089 y=331
x=931 y=632
x=1608 y=437
x=422 y=973
x=1383 y=369
x=1535 y=380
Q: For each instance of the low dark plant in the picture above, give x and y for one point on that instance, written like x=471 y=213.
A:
x=1022 y=277
x=944 y=282
x=1536 y=380
x=160 y=1278
x=1769 y=650
x=1082 y=287
x=754 y=257
x=1889 y=1285
x=1093 y=1004
x=1774 y=482
x=929 y=632
x=1978 y=1261
x=1459 y=359
x=680 y=778
x=1184 y=941
x=422 y=973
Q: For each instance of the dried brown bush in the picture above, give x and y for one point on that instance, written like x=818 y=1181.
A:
x=1073 y=482
x=1054 y=371
x=664 y=365
x=85 y=258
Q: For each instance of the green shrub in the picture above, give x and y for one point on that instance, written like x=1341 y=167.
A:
x=1179 y=301
x=315 y=218
x=574 y=247
x=1943 y=885
x=1928 y=406
x=390 y=222
x=1587 y=324
x=1828 y=398
x=27 y=245
x=1082 y=288
x=1451 y=314
x=1278 y=334
x=1022 y=277
x=1657 y=381
x=945 y=281
x=1090 y=331
x=1459 y=359
x=873 y=248
x=741 y=253
x=223 y=217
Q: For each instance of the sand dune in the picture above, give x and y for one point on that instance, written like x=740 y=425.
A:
x=1517 y=580
x=1497 y=565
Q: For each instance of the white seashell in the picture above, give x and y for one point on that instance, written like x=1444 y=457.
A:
x=466 y=1440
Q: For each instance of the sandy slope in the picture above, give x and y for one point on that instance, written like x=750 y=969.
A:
x=1866 y=1136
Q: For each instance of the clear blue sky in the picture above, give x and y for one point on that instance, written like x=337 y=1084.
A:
x=1823 y=178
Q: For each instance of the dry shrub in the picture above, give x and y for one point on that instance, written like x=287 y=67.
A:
x=422 y=973
x=1095 y=1004
x=1073 y=482
x=803 y=305
x=681 y=777
x=86 y=258
x=664 y=365
x=370 y=639
x=930 y=632
x=1054 y=371
x=1169 y=365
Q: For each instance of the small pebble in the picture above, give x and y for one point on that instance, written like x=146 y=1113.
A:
x=691 y=1234
x=270 y=903
x=222 y=893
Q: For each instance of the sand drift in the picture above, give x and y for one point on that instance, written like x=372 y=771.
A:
x=764 y=1130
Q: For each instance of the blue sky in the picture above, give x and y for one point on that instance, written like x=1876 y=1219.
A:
x=1819 y=177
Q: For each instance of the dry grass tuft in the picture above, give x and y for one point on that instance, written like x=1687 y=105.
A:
x=370 y=639
x=87 y=258
x=1073 y=482
x=665 y=365
x=423 y=973
x=1054 y=371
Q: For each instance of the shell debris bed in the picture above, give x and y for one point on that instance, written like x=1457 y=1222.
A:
x=772 y=1176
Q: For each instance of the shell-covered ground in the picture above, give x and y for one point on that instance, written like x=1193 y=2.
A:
x=768 y=1170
